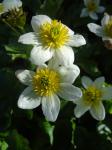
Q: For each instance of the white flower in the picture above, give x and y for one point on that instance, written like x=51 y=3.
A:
x=93 y=94
x=105 y=30
x=44 y=87
x=51 y=39
x=8 y=5
x=92 y=8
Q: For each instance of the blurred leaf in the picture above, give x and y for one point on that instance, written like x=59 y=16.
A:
x=17 y=141
x=3 y=145
x=48 y=129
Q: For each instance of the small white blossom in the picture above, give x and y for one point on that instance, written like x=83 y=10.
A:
x=51 y=38
x=8 y=5
x=46 y=85
x=93 y=95
x=92 y=8
x=105 y=30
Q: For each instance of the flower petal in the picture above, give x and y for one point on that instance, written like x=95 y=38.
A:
x=24 y=76
x=70 y=32
x=11 y=4
x=64 y=55
x=81 y=108
x=51 y=107
x=28 y=38
x=84 y=12
x=105 y=19
x=69 y=92
x=95 y=29
x=100 y=9
x=86 y=81
x=98 y=111
x=93 y=15
x=99 y=82
x=28 y=99
x=69 y=73
x=39 y=55
x=39 y=20
x=86 y=2
x=107 y=93
x=76 y=40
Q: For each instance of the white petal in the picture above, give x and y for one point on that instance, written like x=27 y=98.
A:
x=81 y=108
x=64 y=55
x=39 y=55
x=28 y=99
x=70 y=32
x=11 y=4
x=93 y=15
x=69 y=73
x=95 y=29
x=86 y=82
x=51 y=107
x=98 y=111
x=105 y=19
x=107 y=93
x=76 y=40
x=99 y=82
x=84 y=12
x=28 y=38
x=69 y=92
x=100 y=9
x=39 y=20
x=25 y=76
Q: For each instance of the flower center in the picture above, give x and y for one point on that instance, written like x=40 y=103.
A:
x=92 y=95
x=54 y=34
x=1 y=8
x=108 y=28
x=46 y=82
x=91 y=6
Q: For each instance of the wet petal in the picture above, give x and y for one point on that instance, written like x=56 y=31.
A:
x=69 y=92
x=98 y=111
x=39 y=20
x=86 y=82
x=51 y=107
x=96 y=29
x=28 y=99
x=76 y=40
x=25 y=76
x=39 y=55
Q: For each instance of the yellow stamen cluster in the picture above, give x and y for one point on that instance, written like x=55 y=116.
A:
x=108 y=28
x=91 y=6
x=46 y=82
x=92 y=95
x=54 y=34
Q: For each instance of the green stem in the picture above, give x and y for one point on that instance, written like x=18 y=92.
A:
x=12 y=28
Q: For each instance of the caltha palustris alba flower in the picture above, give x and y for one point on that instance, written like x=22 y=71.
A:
x=93 y=95
x=45 y=86
x=10 y=5
x=12 y=12
x=92 y=8
x=105 y=30
x=51 y=38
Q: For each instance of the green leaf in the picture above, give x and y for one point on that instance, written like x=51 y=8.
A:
x=17 y=141
x=3 y=145
x=48 y=129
